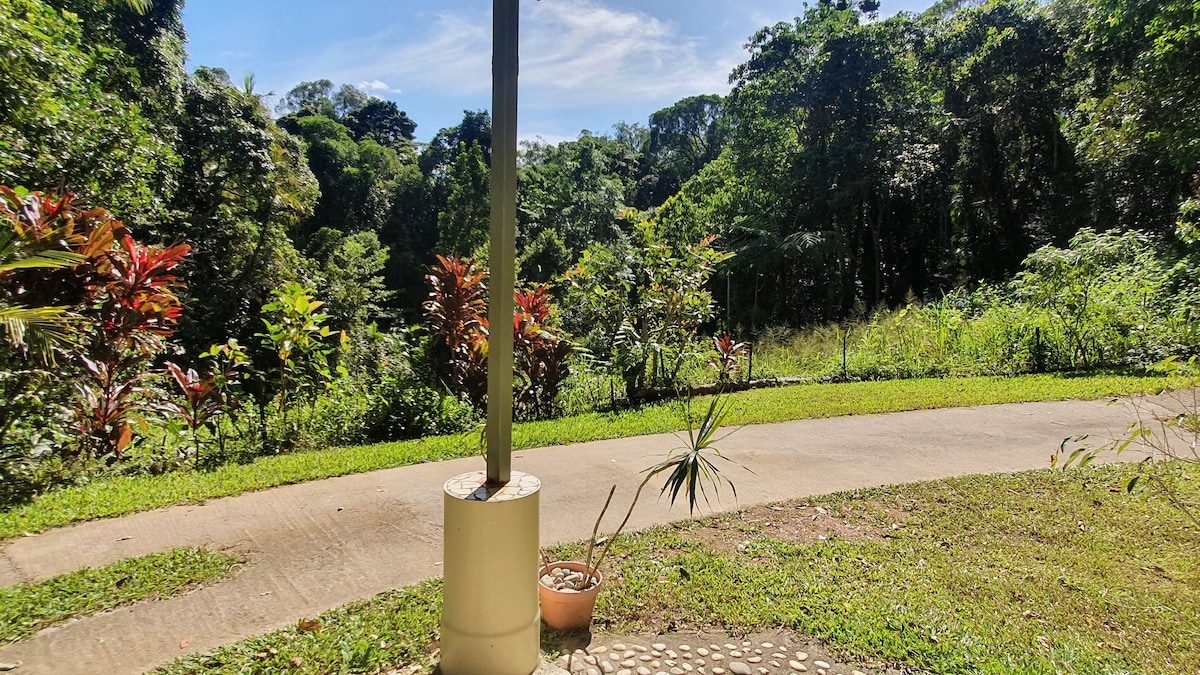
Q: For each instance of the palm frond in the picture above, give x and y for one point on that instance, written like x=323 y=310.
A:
x=38 y=331
x=50 y=259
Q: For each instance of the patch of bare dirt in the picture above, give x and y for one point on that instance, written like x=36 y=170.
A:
x=798 y=522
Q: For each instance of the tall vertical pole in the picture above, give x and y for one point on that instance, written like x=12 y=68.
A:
x=503 y=251
x=490 y=618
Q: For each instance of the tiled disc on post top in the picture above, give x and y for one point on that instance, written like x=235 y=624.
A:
x=473 y=487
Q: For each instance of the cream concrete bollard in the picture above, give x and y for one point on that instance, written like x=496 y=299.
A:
x=491 y=622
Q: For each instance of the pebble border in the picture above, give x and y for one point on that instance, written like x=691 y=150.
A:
x=697 y=656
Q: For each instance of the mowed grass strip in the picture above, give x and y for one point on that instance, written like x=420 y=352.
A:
x=1027 y=573
x=118 y=496
x=28 y=608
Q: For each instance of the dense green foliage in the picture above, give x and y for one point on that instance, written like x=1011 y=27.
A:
x=995 y=188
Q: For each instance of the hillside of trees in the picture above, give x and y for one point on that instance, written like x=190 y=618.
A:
x=237 y=273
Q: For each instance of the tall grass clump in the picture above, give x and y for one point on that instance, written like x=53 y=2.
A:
x=1110 y=300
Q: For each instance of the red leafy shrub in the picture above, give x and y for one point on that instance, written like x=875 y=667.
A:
x=117 y=301
x=456 y=315
x=542 y=354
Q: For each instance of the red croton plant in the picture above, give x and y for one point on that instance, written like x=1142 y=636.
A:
x=456 y=315
x=119 y=298
x=134 y=310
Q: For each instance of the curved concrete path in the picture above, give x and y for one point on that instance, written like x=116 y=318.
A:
x=318 y=545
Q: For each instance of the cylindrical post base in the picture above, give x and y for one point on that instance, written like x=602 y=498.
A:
x=490 y=618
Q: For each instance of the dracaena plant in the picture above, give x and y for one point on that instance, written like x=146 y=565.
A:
x=727 y=361
x=691 y=472
x=134 y=309
x=76 y=284
x=198 y=402
x=542 y=354
x=456 y=316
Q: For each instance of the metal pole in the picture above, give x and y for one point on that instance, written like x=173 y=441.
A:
x=503 y=250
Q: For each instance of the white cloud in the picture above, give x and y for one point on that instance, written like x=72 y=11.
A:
x=377 y=85
x=574 y=54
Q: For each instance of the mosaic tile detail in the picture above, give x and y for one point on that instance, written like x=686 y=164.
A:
x=473 y=487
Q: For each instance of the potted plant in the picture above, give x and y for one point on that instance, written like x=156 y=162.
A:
x=568 y=589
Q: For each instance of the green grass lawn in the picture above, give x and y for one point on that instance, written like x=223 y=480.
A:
x=28 y=608
x=119 y=496
x=1028 y=573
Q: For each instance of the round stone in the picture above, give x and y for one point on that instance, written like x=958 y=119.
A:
x=718 y=671
x=593 y=671
x=629 y=663
x=677 y=671
x=739 y=668
x=736 y=654
x=729 y=646
x=702 y=651
x=620 y=647
x=687 y=667
x=639 y=648
x=607 y=666
x=754 y=659
x=797 y=666
x=801 y=656
x=747 y=643
x=685 y=648
x=643 y=670
x=655 y=653
x=645 y=658
x=717 y=656
x=778 y=655
x=624 y=672
x=672 y=654
x=767 y=645
x=821 y=664
x=628 y=654
x=658 y=646
x=599 y=650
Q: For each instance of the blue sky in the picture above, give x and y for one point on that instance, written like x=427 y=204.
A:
x=585 y=64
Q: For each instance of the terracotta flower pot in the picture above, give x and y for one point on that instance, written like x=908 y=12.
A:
x=568 y=610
